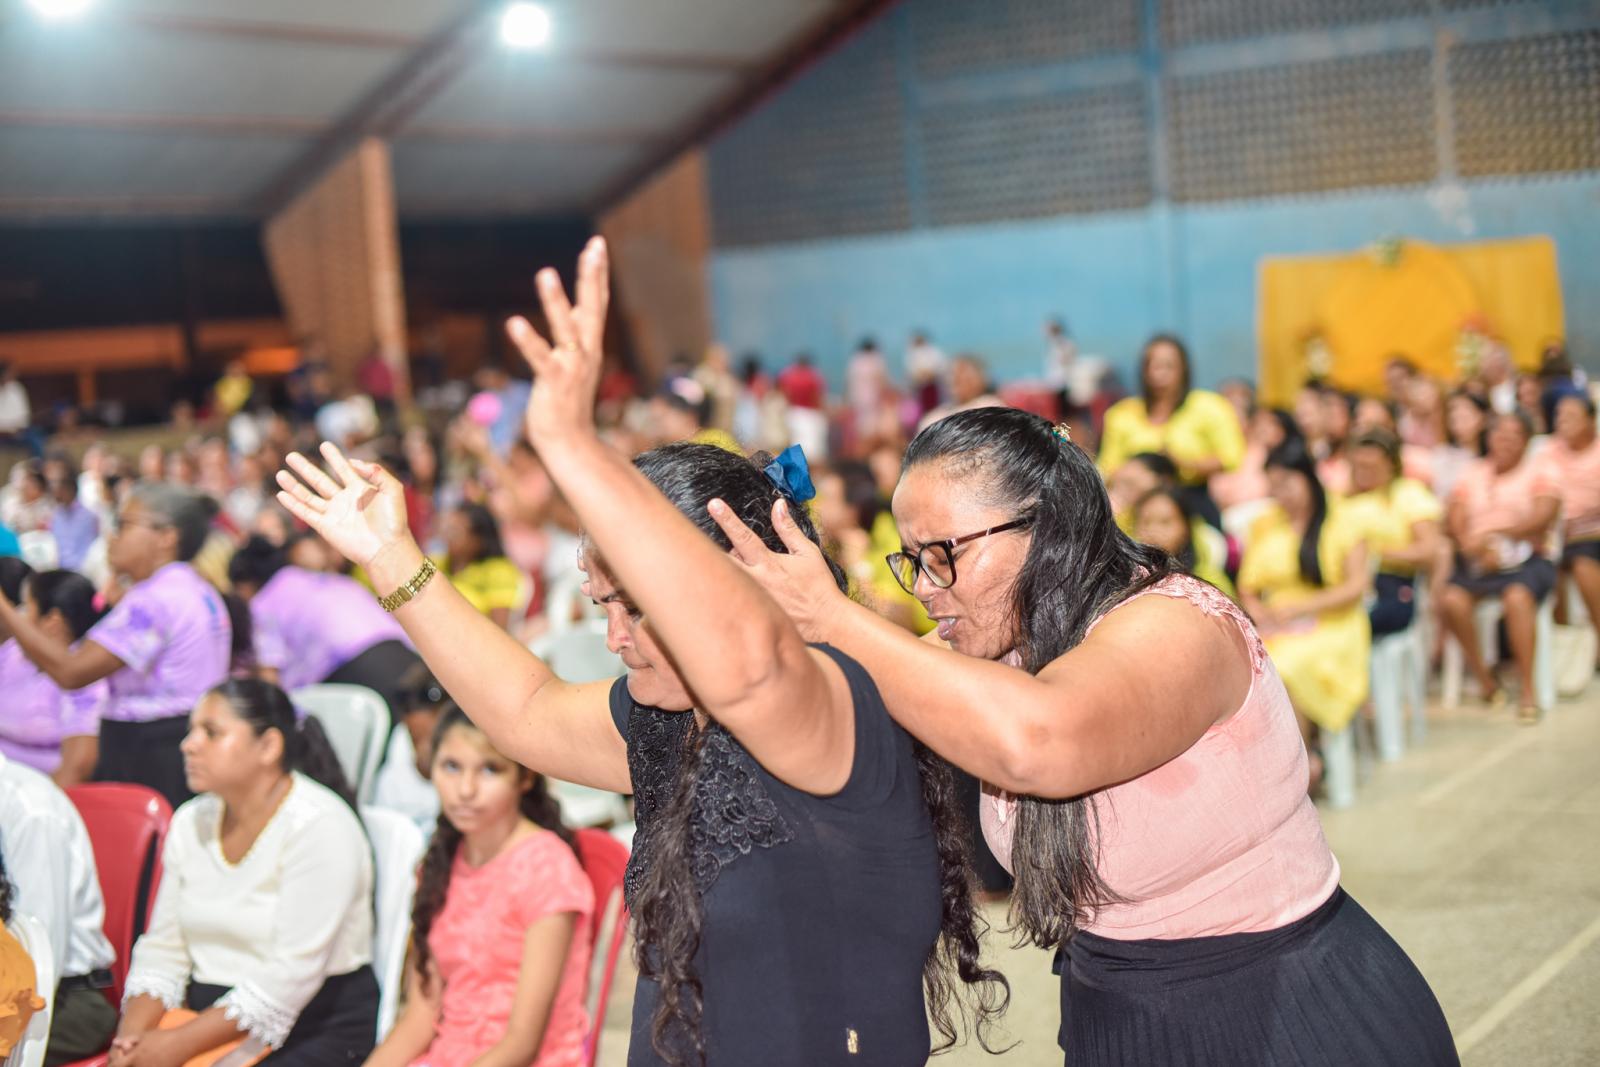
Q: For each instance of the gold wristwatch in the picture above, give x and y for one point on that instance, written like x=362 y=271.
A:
x=409 y=591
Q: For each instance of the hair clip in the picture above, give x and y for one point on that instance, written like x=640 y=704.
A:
x=1063 y=431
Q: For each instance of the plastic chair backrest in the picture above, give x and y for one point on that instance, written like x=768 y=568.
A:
x=565 y=605
x=605 y=860
x=356 y=720
x=35 y=941
x=397 y=847
x=579 y=654
x=126 y=825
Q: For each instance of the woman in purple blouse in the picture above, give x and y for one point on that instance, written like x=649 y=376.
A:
x=164 y=644
x=53 y=730
x=312 y=626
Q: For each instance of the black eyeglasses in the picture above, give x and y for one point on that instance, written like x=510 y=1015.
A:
x=937 y=559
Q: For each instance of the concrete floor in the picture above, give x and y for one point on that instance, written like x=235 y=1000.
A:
x=1479 y=852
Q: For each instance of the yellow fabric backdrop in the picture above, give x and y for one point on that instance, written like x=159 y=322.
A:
x=1367 y=306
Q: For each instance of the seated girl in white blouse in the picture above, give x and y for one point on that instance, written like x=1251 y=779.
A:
x=263 y=922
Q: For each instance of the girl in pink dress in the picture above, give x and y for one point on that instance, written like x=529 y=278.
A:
x=500 y=936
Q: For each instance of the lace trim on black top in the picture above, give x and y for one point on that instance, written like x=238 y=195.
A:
x=731 y=814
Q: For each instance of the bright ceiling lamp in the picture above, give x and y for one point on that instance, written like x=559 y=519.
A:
x=55 y=9
x=525 y=26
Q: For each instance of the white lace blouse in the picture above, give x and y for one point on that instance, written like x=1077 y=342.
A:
x=296 y=910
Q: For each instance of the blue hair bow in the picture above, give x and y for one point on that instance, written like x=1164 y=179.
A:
x=790 y=473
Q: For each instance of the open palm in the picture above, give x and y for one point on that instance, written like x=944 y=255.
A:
x=360 y=509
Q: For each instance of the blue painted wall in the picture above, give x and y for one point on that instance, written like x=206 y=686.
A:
x=1116 y=276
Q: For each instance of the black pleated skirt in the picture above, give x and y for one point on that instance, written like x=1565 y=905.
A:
x=337 y=1029
x=147 y=754
x=1331 y=990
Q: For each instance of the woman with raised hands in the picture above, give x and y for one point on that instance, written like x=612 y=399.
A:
x=797 y=885
x=1146 y=780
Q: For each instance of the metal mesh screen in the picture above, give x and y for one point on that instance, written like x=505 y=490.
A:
x=1528 y=106
x=1193 y=21
x=1312 y=127
x=825 y=157
x=1080 y=152
x=969 y=34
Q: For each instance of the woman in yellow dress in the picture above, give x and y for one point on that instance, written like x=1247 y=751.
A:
x=1198 y=429
x=1303 y=581
x=1403 y=522
x=477 y=564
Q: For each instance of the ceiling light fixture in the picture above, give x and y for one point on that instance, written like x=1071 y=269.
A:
x=55 y=9
x=525 y=26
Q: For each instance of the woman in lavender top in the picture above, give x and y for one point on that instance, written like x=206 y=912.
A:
x=164 y=644
x=312 y=626
x=53 y=730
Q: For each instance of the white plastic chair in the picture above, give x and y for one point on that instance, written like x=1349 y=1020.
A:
x=579 y=654
x=35 y=941
x=39 y=550
x=397 y=847
x=1486 y=618
x=1339 y=767
x=565 y=606
x=356 y=721
x=1399 y=685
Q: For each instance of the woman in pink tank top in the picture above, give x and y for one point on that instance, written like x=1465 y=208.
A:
x=1145 y=775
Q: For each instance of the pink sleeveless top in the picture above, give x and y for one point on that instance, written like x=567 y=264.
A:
x=1220 y=840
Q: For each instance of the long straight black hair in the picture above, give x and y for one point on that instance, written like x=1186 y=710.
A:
x=264 y=706
x=669 y=912
x=1079 y=565
x=1294 y=456
x=1183 y=358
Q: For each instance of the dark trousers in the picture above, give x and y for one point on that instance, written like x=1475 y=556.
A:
x=81 y=1025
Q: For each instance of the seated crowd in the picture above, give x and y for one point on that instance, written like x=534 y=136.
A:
x=169 y=610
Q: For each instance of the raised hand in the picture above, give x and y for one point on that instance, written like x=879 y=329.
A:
x=799 y=580
x=566 y=376
x=360 y=509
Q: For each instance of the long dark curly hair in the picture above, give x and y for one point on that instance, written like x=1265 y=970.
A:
x=433 y=880
x=1079 y=565
x=670 y=913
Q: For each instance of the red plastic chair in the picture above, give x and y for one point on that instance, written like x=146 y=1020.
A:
x=604 y=860
x=126 y=824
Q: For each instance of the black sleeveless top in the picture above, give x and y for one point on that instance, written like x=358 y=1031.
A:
x=819 y=911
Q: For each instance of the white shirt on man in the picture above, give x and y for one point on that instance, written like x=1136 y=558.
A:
x=51 y=863
x=295 y=911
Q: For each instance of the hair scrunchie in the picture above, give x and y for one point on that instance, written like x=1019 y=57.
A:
x=791 y=474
